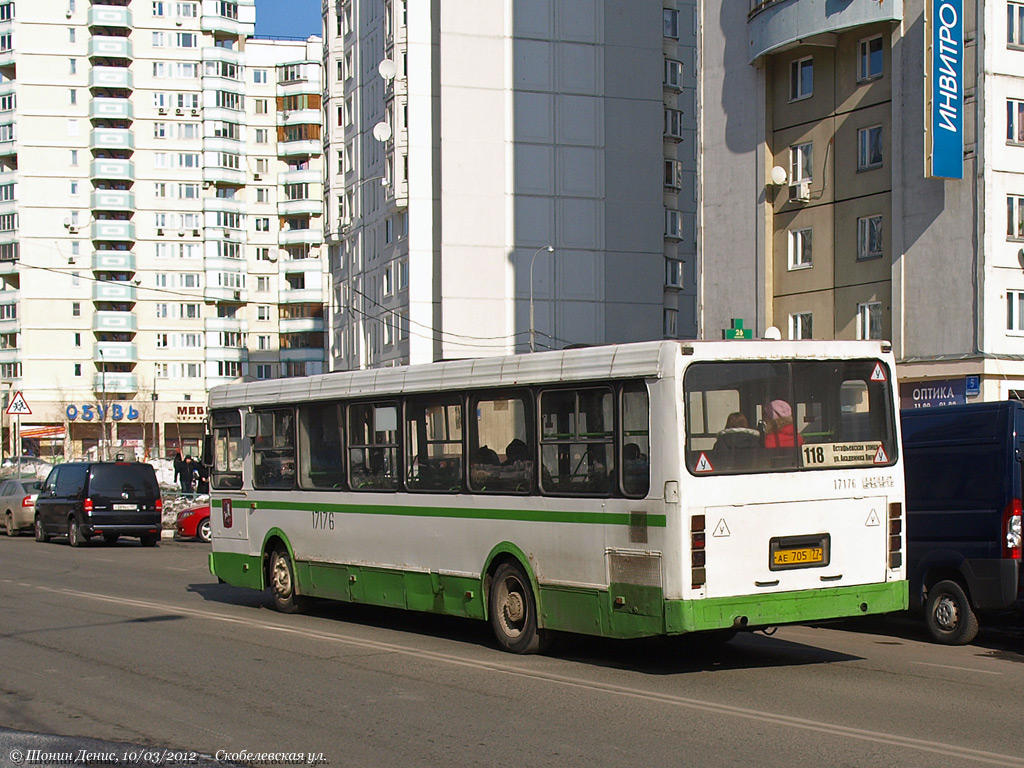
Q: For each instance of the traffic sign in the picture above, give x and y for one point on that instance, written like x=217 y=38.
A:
x=18 y=406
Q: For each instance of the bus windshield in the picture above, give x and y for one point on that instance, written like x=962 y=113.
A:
x=768 y=416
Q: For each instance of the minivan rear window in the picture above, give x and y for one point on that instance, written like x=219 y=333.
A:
x=136 y=479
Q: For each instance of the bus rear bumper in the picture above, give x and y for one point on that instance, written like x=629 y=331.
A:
x=756 y=611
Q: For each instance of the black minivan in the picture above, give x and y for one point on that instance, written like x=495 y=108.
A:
x=108 y=499
x=964 y=467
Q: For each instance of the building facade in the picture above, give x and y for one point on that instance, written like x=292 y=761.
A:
x=160 y=217
x=820 y=214
x=507 y=177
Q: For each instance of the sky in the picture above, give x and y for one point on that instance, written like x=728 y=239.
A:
x=288 y=18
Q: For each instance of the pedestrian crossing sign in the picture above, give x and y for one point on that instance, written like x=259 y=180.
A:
x=18 y=406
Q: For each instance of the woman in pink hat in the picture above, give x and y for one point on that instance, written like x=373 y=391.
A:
x=779 y=429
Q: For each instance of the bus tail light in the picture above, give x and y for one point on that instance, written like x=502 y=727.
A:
x=895 y=535
x=698 y=555
x=1012 y=530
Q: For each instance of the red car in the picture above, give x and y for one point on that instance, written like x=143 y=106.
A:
x=194 y=523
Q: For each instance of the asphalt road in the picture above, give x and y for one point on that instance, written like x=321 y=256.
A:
x=142 y=647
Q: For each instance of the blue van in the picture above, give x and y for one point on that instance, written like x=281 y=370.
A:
x=964 y=469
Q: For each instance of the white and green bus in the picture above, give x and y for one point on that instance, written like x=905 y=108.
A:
x=642 y=489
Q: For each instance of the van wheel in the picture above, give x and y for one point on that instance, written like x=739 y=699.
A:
x=41 y=535
x=282 y=583
x=75 y=536
x=949 y=615
x=513 y=611
x=150 y=539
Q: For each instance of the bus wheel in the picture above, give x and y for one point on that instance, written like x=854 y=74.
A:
x=513 y=611
x=948 y=613
x=282 y=582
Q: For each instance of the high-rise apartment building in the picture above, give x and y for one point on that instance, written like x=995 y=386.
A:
x=502 y=177
x=160 y=216
x=821 y=211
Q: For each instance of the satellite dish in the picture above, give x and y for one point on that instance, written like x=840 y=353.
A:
x=779 y=176
x=387 y=69
x=382 y=131
x=772 y=333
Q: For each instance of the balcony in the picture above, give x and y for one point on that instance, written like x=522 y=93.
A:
x=112 y=168
x=300 y=207
x=114 y=382
x=301 y=296
x=115 y=352
x=237 y=354
x=117 y=16
x=112 y=138
x=113 y=261
x=216 y=324
x=114 y=322
x=112 y=200
x=307 y=175
x=303 y=147
x=301 y=325
x=111 y=77
x=226 y=26
x=219 y=175
x=217 y=293
x=301 y=236
x=103 y=108
x=306 y=354
x=110 y=47
x=113 y=230
x=115 y=292
x=775 y=24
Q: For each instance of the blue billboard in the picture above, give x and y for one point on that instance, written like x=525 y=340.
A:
x=946 y=70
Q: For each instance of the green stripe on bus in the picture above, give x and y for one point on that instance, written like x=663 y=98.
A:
x=522 y=515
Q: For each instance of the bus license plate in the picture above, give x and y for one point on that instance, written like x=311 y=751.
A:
x=801 y=556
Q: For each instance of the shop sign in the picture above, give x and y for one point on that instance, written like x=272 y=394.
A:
x=96 y=412
x=925 y=394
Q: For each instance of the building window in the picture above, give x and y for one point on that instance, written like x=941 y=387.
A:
x=673 y=224
x=673 y=123
x=869 y=237
x=78 y=369
x=1015 y=24
x=262 y=224
x=262 y=312
x=1015 y=217
x=673 y=273
x=670 y=322
x=673 y=174
x=869 y=66
x=801 y=79
x=869 y=320
x=78 y=339
x=259 y=75
x=263 y=371
x=76 y=309
x=869 y=148
x=1015 y=310
x=800 y=326
x=261 y=106
x=1015 y=121
x=674 y=74
x=800 y=162
x=799 y=248
x=670 y=23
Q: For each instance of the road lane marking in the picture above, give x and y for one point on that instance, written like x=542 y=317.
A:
x=860 y=734
x=959 y=669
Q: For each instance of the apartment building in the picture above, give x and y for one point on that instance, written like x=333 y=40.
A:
x=508 y=177
x=160 y=217
x=826 y=212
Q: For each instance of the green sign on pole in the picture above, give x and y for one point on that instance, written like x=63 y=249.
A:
x=737 y=331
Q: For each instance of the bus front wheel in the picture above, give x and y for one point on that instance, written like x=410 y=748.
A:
x=949 y=615
x=513 y=611
x=282 y=582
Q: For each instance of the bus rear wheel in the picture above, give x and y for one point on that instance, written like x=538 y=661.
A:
x=282 y=582
x=949 y=615
x=513 y=611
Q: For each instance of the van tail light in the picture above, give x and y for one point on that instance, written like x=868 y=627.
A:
x=1012 y=530
x=159 y=505
x=87 y=506
x=27 y=501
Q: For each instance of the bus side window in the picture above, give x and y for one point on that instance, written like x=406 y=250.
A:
x=577 y=441
x=501 y=444
x=373 y=446
x=320 y=446
x=433 y=443
x=636 y=439
x=274 y=449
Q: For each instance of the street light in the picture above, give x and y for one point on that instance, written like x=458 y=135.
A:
x=549 y=249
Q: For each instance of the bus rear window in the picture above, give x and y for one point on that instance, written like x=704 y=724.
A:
x=765 y=416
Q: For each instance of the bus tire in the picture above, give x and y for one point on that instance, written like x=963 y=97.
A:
x=513 y=611
x=281 y=576
x=949 y=615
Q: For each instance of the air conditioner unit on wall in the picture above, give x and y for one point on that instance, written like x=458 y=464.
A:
x=800 y=191
x=162 y=110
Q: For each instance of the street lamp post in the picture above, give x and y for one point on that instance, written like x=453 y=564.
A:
x=533 y=341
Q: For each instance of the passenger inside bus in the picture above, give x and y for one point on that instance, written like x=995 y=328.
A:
x=780 y=431
x=738 y=446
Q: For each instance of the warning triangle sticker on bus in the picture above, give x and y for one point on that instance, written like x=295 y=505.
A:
x=703 y=465
x=880 y=457
x=879 y=373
